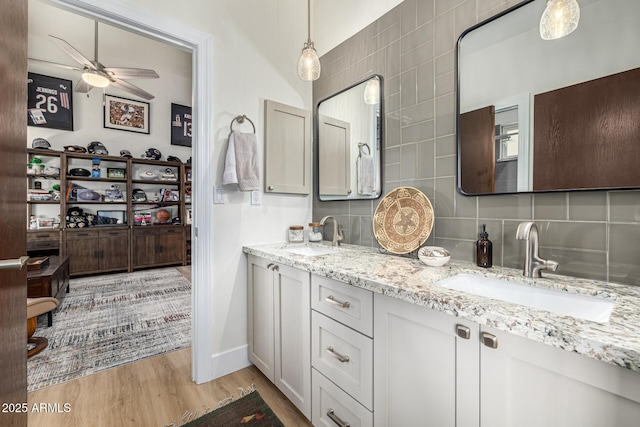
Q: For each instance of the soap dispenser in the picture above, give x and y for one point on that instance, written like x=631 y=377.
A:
x=484 y=249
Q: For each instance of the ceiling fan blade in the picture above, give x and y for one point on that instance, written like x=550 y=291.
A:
x=131 y=89
x=131 y=73
x=83 y=87
x=55 y=64
x=73 y=52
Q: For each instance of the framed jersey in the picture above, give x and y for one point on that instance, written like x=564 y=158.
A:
x=180 y=125
x=50 y=103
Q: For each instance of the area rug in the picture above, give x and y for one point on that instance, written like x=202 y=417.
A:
x=249 y=410
x=111 y=320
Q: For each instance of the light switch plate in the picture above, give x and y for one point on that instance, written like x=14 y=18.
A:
x=218 y=195
x=256 y=197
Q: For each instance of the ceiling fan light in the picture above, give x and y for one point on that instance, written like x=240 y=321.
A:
x=309 y=63
x=95 y=79
x=559 y=19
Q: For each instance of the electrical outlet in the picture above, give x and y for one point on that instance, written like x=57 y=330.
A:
x=256 y=197
x=218 y=195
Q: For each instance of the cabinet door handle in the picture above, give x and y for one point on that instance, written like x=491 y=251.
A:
x=275 y=268
x=269 y=266
x=331 y=300
x=340 y=357
x=463 y=332
x=489 y=340
x=336 y=420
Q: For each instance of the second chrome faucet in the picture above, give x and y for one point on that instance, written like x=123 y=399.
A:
x=337 y=234
x=533 y=264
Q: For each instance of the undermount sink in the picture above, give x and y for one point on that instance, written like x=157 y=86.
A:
x=559 y=302
x=311 y=250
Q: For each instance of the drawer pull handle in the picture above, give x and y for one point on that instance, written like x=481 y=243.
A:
x=463 y=332
x=269 y=266
x=42 y=236
x=331 y=300
x=340 y=357
x=336 y=420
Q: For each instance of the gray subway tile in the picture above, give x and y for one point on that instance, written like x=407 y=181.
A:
x=418 y=132
x=505 y=206
x=393 y=59
x=425 y=11
x=408 y=9
x=354 y=230
x=391 y=174
x=445 y=84
x=387 y=36
x=366 y=231
x=392 y=155
x=391 y=86
x=393 y=134
x=360 y=207
x=455 y=228
x=418 y=113
x=588 y=205
x=426 y=160
x=445 y=115
x=392 y=103
x=444 y=33
x=446 y=166
x=446 y=146
x=513 y=250
x=465 y=206
x=463 y=250
x=624 y=253
x=624 y=206
x=408 y=88
x=417 y=56
x=573 y=235
x=550 y=206
x=465 y=16
x=576 y=263
x=444 y=195
x=408 y=161
x=445 y=64
x=425 y=82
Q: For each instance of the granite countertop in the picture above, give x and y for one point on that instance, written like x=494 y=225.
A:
x=616 y=342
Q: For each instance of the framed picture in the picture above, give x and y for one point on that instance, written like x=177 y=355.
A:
x=116 y=173
x=111 y=218
x=126 y=114
x=50 y=102
x=45 y=222
x=168 y=195
x=113 y=196
x=180 y=125
x=142 y=218
x=189 y=216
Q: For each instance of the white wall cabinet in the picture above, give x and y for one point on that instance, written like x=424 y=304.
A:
x=529 y=384
x=279 y=329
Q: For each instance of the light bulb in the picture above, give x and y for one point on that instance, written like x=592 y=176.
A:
x=559 y=19
x=94 y=78
x=372 y=92
x=309 y=64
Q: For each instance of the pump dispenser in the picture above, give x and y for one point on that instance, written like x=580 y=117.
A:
x=484 y=249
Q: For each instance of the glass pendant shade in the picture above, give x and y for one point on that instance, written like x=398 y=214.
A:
x=559 y=19
x=95 y=79
x=309 y=63
x=372 y=92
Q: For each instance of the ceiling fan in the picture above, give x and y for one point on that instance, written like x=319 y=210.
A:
x=94 y=74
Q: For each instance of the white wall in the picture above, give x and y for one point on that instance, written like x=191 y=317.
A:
x=116 y=48
x=256 y=48
x=334 y=21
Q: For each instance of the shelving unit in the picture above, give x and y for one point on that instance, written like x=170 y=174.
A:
x=95 y=246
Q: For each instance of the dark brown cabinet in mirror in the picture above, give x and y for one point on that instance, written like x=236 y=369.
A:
x=349 y=142
x=540 y=115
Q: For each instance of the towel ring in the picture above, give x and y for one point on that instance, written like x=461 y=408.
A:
x=240 y=120
x=361 y=145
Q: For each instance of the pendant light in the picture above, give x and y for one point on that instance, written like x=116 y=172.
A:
x=309 y=64
x=372 y=91
x=559 y=19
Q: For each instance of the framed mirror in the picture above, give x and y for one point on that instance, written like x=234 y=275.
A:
x=540 y=115
x=349 y=142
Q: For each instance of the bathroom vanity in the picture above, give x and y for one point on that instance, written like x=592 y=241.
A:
x=384 y=343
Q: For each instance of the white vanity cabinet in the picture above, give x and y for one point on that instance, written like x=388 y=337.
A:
x=529 y=384
x=341 y=354
x=279 y=316
x=425 y=374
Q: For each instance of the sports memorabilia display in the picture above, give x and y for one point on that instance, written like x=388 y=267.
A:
x=180 y=125
x=50 y=102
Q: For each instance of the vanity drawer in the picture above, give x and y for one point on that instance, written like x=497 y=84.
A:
x=344 y=303
x=331 y=406
x=344 y=356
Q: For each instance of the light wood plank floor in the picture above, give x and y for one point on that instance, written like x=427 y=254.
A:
x=149 y=393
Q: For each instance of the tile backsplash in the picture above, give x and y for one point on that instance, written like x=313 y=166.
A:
x=593 y=234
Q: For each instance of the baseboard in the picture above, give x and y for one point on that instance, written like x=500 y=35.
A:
x=230 y=361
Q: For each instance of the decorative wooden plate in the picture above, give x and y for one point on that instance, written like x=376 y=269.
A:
x=403 y=220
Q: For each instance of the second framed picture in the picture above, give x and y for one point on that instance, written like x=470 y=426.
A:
x=126 y=114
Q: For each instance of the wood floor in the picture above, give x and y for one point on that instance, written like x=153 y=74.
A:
x=149 y=393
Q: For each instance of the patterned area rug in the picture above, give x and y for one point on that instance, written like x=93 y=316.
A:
x=111 y=320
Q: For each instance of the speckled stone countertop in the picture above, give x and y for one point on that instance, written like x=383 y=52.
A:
x=616 y=342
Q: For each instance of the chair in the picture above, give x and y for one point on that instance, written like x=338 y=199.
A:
x=36 y=307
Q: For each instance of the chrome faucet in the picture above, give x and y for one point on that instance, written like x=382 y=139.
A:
x=533 y=264
x=337 y=234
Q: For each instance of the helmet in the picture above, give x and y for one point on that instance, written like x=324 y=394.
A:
x=152 y=154
x=173 y=159
x=79 y=172
x=125 y=153
x=75 y=148
x=97 y=147
x=40 y=143
x=138 y=195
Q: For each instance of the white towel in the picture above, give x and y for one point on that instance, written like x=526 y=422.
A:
x=246 y=159
x=230 y=176
x=366 y=174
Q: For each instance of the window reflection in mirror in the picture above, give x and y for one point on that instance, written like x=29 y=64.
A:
x=349 y=142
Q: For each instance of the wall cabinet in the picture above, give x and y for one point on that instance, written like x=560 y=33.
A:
x=279 y=326
x=97 y=251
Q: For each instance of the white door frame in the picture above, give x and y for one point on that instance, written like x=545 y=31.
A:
x=145 y=22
